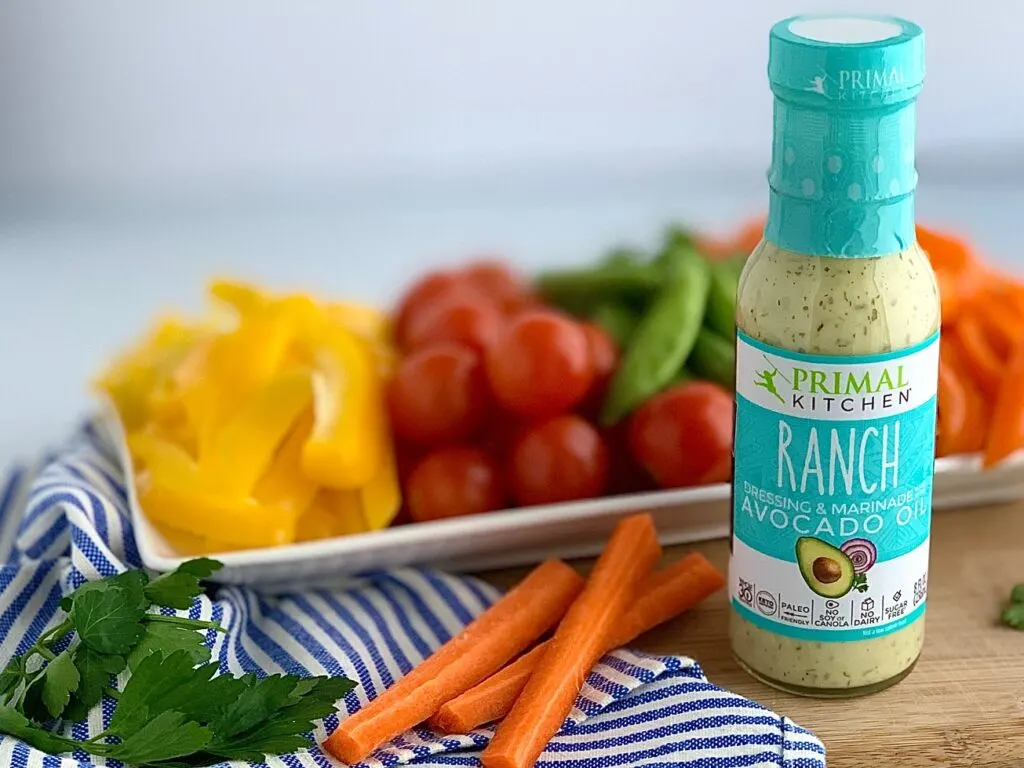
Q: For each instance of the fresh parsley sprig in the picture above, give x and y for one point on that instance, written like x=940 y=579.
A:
x=174 y=710
x=1013 y=613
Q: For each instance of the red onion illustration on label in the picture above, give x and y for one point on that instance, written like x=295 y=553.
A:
x=832 y=571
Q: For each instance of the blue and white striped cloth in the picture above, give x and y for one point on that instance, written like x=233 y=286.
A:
x=66 y=521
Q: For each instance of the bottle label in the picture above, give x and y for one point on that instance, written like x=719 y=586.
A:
x=834 y=458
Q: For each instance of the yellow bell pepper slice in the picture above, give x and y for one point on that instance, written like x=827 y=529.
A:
x=283 y=484
x=382 y=496
x=243 y=449
x=130 y=379
x=182 y=542
x=220 y=378
x=242 y=297
x=333 y=513
x=346 y=447
x=317 y=522
x=348 y=510
x=167 y=462
x=240 y=522
x=364 y=320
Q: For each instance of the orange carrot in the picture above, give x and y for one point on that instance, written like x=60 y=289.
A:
x=578 y=643
x=1007 y=432
x=950 y=295
x=953 y=408
x=485 y=646
x=749 y=235
x=664 y=595
x=1001 y=319
x=972 y=433
x=944 y=250
x=980 y=359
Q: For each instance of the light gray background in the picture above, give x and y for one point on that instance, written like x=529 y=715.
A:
x=343 y=145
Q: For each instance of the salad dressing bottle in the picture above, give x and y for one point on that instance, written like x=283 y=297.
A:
x=837 y=365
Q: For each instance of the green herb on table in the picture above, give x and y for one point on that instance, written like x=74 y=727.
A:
x=174 y=710
x=1013 y=613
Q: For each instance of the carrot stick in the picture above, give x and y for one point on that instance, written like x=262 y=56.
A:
x=1003 y=322
x=973 y=431
x=980 y=359
x=944 y=250
x=953 y=409
x=1007 y=432
x=578 y=643
x=662 y=596
x=950 y=295
x=485 y=646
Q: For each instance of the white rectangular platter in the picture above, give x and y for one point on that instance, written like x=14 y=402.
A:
x=518 y=536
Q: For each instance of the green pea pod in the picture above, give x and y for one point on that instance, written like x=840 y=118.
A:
x=580 y=290
x=663 y=339
x=714 y=358
x=622 y=256
x=682 y=377
x=674 y=255
x=721 y=314
x=617 y=319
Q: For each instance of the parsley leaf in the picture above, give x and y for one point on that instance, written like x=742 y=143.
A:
x=166 y=638
x=1013 y=613
x=285 y=729
x=1017 y=593
x=108 y=620
x=95 y=669
x=16 y=724
x=175 y=711
x=179 y=588
x=132 y=582
x=166 y=736
x=159 y=683
x=256 y=701
x=60 y=680
x=12 y=675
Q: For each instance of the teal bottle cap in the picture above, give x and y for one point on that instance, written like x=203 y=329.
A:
x=846 y=61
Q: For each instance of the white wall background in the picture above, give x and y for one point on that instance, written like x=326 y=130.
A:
x=346 y=144
x=124 y=96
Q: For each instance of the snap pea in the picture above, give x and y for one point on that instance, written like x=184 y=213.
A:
x=721 y=314
x=621 y=256
x=675 y=253
x=682 y=377
x=713 y=358
x=663 y=339
x=579 y=290
x=617 y=319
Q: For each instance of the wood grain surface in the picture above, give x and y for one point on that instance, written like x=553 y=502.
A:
x=963 y=705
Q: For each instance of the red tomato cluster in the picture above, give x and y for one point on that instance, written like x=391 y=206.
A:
x=495 y=400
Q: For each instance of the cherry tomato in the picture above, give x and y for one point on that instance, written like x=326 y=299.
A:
x=502 y=432
x=541 y=365
x=562 y=459
x=604 y=358
x=683 y=436
x=452 y=482
x=419 y=296
x=438 y=395
x=495 y=279
x=625 y=475
x=462 y=314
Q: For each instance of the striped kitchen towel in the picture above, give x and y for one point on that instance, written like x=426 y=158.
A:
x=66 y=521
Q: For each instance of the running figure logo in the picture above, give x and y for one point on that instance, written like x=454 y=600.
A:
x=766 y=380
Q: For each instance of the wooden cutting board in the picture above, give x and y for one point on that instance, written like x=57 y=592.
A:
x=964 y=703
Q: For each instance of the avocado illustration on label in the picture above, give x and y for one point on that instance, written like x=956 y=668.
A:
x=827 y=570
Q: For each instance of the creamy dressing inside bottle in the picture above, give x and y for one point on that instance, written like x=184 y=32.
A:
x=837 y=354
